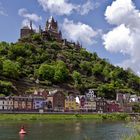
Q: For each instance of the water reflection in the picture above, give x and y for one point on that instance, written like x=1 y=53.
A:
x=65 y=130
x=77 y=127
x=21 y=136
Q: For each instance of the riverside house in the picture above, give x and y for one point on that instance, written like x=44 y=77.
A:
x=82 y=102
x=38 y=102
x=9 y=103
x=113 y=106
x=3 y=103
x=101 y=105
x=21 y=103
x=90 y=95
x=70 y=103
x=6 y=103
x=58 y=100
x=88 y=102
x=40 y=99
x=90 y=105
x=124 y=102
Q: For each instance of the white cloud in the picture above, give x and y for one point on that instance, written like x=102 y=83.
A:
x=78 y=32
x=87 y=7
x=26 y=22
x=117 y=39
x=59 y=7
x=2 y=11
x=30 y=16
x=125 y=37
x=119 y=10
x=64 y=7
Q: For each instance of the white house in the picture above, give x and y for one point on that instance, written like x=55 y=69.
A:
x=6 y=103
x=133 y=98
x=90 y=94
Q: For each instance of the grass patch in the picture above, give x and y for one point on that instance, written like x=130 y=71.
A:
x=21 y=117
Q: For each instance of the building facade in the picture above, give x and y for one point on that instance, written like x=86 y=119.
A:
x=101 y=105
x=113 y=106
x=70 y=103
x=22 y=103
x=38 y=102
x=59 y=101
x=90 y=106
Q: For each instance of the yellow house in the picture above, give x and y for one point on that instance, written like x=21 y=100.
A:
x=77 y=106
x=90 y=105
x=70 y=104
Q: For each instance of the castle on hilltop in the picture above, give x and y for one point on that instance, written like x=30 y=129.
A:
x=51 y=31
x=26 y=31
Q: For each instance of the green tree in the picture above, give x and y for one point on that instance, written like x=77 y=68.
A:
x=11 y=69
x=46 y=72
x=86 y=67
x=76 y=77
x=37 y=37
x=3 y=48
x=107 y=91
x=97 y=69
x=6 y=88
x=61 y=72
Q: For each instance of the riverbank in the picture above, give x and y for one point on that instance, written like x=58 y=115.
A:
x=115 y=116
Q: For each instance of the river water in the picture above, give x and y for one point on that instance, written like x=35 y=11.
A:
x=65 y=130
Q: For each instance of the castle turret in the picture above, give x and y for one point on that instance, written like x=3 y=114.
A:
x=60 y=34
x=31 y=25
x=26 y=30
x=51 y=25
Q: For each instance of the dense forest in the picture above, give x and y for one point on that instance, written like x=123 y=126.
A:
x=33 y=62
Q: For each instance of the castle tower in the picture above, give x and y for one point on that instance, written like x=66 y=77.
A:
x=40 y=29
x=60 y=34
x=26 y=30
x=51 y=25
x=31 y=25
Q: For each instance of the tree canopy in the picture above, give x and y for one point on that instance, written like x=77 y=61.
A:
x=55 y=63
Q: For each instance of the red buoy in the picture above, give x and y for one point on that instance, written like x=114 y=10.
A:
x=22 y=131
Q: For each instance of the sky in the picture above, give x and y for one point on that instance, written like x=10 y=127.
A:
x=109 y=27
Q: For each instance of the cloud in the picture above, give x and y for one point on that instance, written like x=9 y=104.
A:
x=117 y=39
x=2 y=11
x=125 y=37
x=64 y=7
x=87 y=7
x=26 y=22
x=78 y=32
x=30 y=16
x=59 y=7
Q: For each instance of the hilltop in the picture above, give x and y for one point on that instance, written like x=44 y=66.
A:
x=45 y=60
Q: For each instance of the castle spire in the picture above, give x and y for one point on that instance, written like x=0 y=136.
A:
x=31 y=25
x=51 y=19
x=40 y=29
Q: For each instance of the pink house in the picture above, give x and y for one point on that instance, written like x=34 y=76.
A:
x=113 y=107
